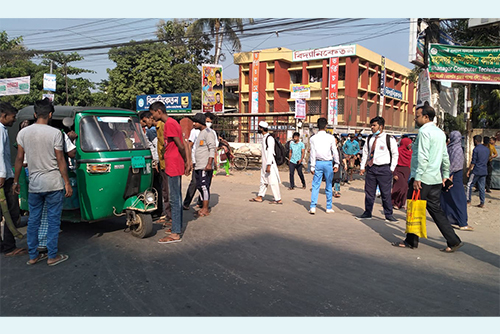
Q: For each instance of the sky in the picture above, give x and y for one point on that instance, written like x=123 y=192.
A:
x=388 y=37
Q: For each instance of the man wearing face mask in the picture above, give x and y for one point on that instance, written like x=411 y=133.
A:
x=269 y=174
x=209 y=119
x=380 y=157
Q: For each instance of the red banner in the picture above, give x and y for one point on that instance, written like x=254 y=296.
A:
x=333 y=91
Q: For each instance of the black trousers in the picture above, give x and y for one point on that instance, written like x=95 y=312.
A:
x=297 y=167
x=489 y=166
x=8 y=243
x=432 y=194
x=191 y=191
x=381 y=176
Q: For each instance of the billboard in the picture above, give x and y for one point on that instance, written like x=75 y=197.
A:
x=255 y=82
x=212 y=89
x=300 y=109
x=464 y=64
x=49 y=82
x=173 y=102
x=15 y=86
x=300 y=92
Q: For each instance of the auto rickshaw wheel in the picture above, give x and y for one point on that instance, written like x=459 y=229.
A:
x=240 y=162
x=142 y=226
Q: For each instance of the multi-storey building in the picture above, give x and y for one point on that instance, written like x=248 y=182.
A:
x=358 y=88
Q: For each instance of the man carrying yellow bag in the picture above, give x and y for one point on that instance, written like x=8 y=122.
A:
x=430 y=169
x=415 y=215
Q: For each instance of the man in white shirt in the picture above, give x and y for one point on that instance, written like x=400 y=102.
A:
x=191 y=190
x=324 y=161
x=380 y=157
x=269 y=174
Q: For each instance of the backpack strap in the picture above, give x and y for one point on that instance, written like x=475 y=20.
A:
x=388 y=142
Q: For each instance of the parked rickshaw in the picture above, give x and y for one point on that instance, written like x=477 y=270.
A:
x=111 y=174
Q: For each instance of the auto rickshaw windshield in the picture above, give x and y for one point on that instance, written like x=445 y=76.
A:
x=111 y=133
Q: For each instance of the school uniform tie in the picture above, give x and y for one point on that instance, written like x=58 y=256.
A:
x=369 y=163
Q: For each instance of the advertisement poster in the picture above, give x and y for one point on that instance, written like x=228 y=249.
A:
x=212 y=89
x=300 y=108
x=329 y=52
x=255 y=83
x=49 y=82
x=173 y=102
x=300 y=92
x=333 y=91
x=424 y=88
x=49 y=96
x=15 y=86
x=464 y=64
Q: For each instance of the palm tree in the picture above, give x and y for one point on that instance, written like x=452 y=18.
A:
x=220 y=28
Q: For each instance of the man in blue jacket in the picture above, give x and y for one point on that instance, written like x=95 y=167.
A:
x=478 y=166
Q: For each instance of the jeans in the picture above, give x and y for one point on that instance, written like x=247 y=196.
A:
x=480 y=180
x=322 y=168
x=297 y=167
x=174 y=187
x=54 y=202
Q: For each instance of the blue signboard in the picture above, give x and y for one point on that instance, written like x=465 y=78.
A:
x=390 y=92
x=180 y=102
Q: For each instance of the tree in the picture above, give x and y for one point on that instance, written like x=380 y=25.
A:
x=220 y=28
x=62 y=60
x=167 y=65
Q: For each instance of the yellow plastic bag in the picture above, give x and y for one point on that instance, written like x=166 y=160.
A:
x=415 y=216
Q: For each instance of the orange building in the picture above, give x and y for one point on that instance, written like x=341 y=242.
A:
x=358 y=88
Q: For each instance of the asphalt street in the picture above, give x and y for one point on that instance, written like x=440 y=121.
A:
x=256 y=259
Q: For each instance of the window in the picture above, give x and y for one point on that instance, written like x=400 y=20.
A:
x=244 y=107
x=271 y=105
x=291 y=106
x=111 y=133
x=360 y=102
x=341 y=107
x=271 y=76
x=341 y=72
x=314 y=107
x=316 y=75
x=245 y=78
x=296 y=77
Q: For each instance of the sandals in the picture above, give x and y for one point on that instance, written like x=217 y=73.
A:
x=403 y=244
x=17 y=251
x=256 y=200
x=168 y=240
x=197 y=214
x=38 y=259
x=452 y=249
x=466 y=228
x=276 y=202
x=60 y=258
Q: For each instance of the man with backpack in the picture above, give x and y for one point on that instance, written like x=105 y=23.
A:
x=269 y=174
x=380 y=157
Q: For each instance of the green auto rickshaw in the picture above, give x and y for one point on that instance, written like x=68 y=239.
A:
x=111 y=174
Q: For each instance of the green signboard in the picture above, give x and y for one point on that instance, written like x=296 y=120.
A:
x=464 y=64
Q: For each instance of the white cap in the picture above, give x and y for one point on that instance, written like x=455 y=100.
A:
x=263 y=124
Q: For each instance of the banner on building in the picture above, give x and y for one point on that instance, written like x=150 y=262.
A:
x=15 y=86
x=49 y=82
x=333 y=51
x=300 y=108
x=382 y=88
x=300 y=92
x=255 y=82
x=173 y=102
x=464 y=64
x=333 y=91
x=49 y=96
x=424 y=88
x=212 y=89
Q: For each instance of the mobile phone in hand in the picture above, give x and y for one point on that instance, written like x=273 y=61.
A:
x=447 y=185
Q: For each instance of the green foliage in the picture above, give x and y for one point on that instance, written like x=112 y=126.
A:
x=163 y=67
x=454 y=123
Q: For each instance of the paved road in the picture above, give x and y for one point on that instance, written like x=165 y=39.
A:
x=256 y=259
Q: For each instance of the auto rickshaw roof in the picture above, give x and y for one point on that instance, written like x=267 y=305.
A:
x=61 y=112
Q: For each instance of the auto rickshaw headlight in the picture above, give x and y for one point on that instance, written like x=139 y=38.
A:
x=98 y=168
x=149 y=197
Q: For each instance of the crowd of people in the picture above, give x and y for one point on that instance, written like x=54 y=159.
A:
x=432 y=164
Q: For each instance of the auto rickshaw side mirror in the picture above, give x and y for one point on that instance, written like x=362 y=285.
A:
x=68 y=121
